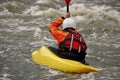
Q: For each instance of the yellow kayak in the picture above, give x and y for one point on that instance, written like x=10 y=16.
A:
x=46 y=57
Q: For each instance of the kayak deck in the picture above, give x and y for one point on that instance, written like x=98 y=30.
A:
x=45 y=57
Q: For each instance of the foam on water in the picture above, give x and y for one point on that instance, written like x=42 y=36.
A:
x=53 y=73
x=89 y=76
x=41 y=1
x=34 y=10
x=5 y=12
x=26 y=30
x=12 y=7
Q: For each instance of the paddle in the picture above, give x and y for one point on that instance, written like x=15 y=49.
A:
x=67 y=3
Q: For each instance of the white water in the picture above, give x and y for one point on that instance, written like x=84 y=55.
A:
x=24 y=31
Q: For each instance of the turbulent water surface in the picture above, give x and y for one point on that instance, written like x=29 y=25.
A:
x=23 y=29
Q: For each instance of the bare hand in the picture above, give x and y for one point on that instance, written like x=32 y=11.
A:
x=67 y=15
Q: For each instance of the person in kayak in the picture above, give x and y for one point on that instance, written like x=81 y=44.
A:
x=71 y=44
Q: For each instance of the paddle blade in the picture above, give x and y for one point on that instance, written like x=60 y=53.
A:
x=67 y=2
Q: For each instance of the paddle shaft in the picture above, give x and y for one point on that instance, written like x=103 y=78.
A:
x=67 y=3
x=67 y=8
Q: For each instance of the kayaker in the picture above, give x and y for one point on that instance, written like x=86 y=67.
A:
x=71 y=45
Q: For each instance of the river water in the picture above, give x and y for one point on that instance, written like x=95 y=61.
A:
x=23 y=29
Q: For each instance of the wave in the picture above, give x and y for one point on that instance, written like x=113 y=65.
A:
x=13 y=7
x=99 y=23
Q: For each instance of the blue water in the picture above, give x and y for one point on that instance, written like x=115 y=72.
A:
x=23 y=29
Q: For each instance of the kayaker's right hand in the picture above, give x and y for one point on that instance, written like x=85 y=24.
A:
x=67 y=15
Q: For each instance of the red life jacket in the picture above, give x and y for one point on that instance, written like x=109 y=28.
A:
x=73 y=42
